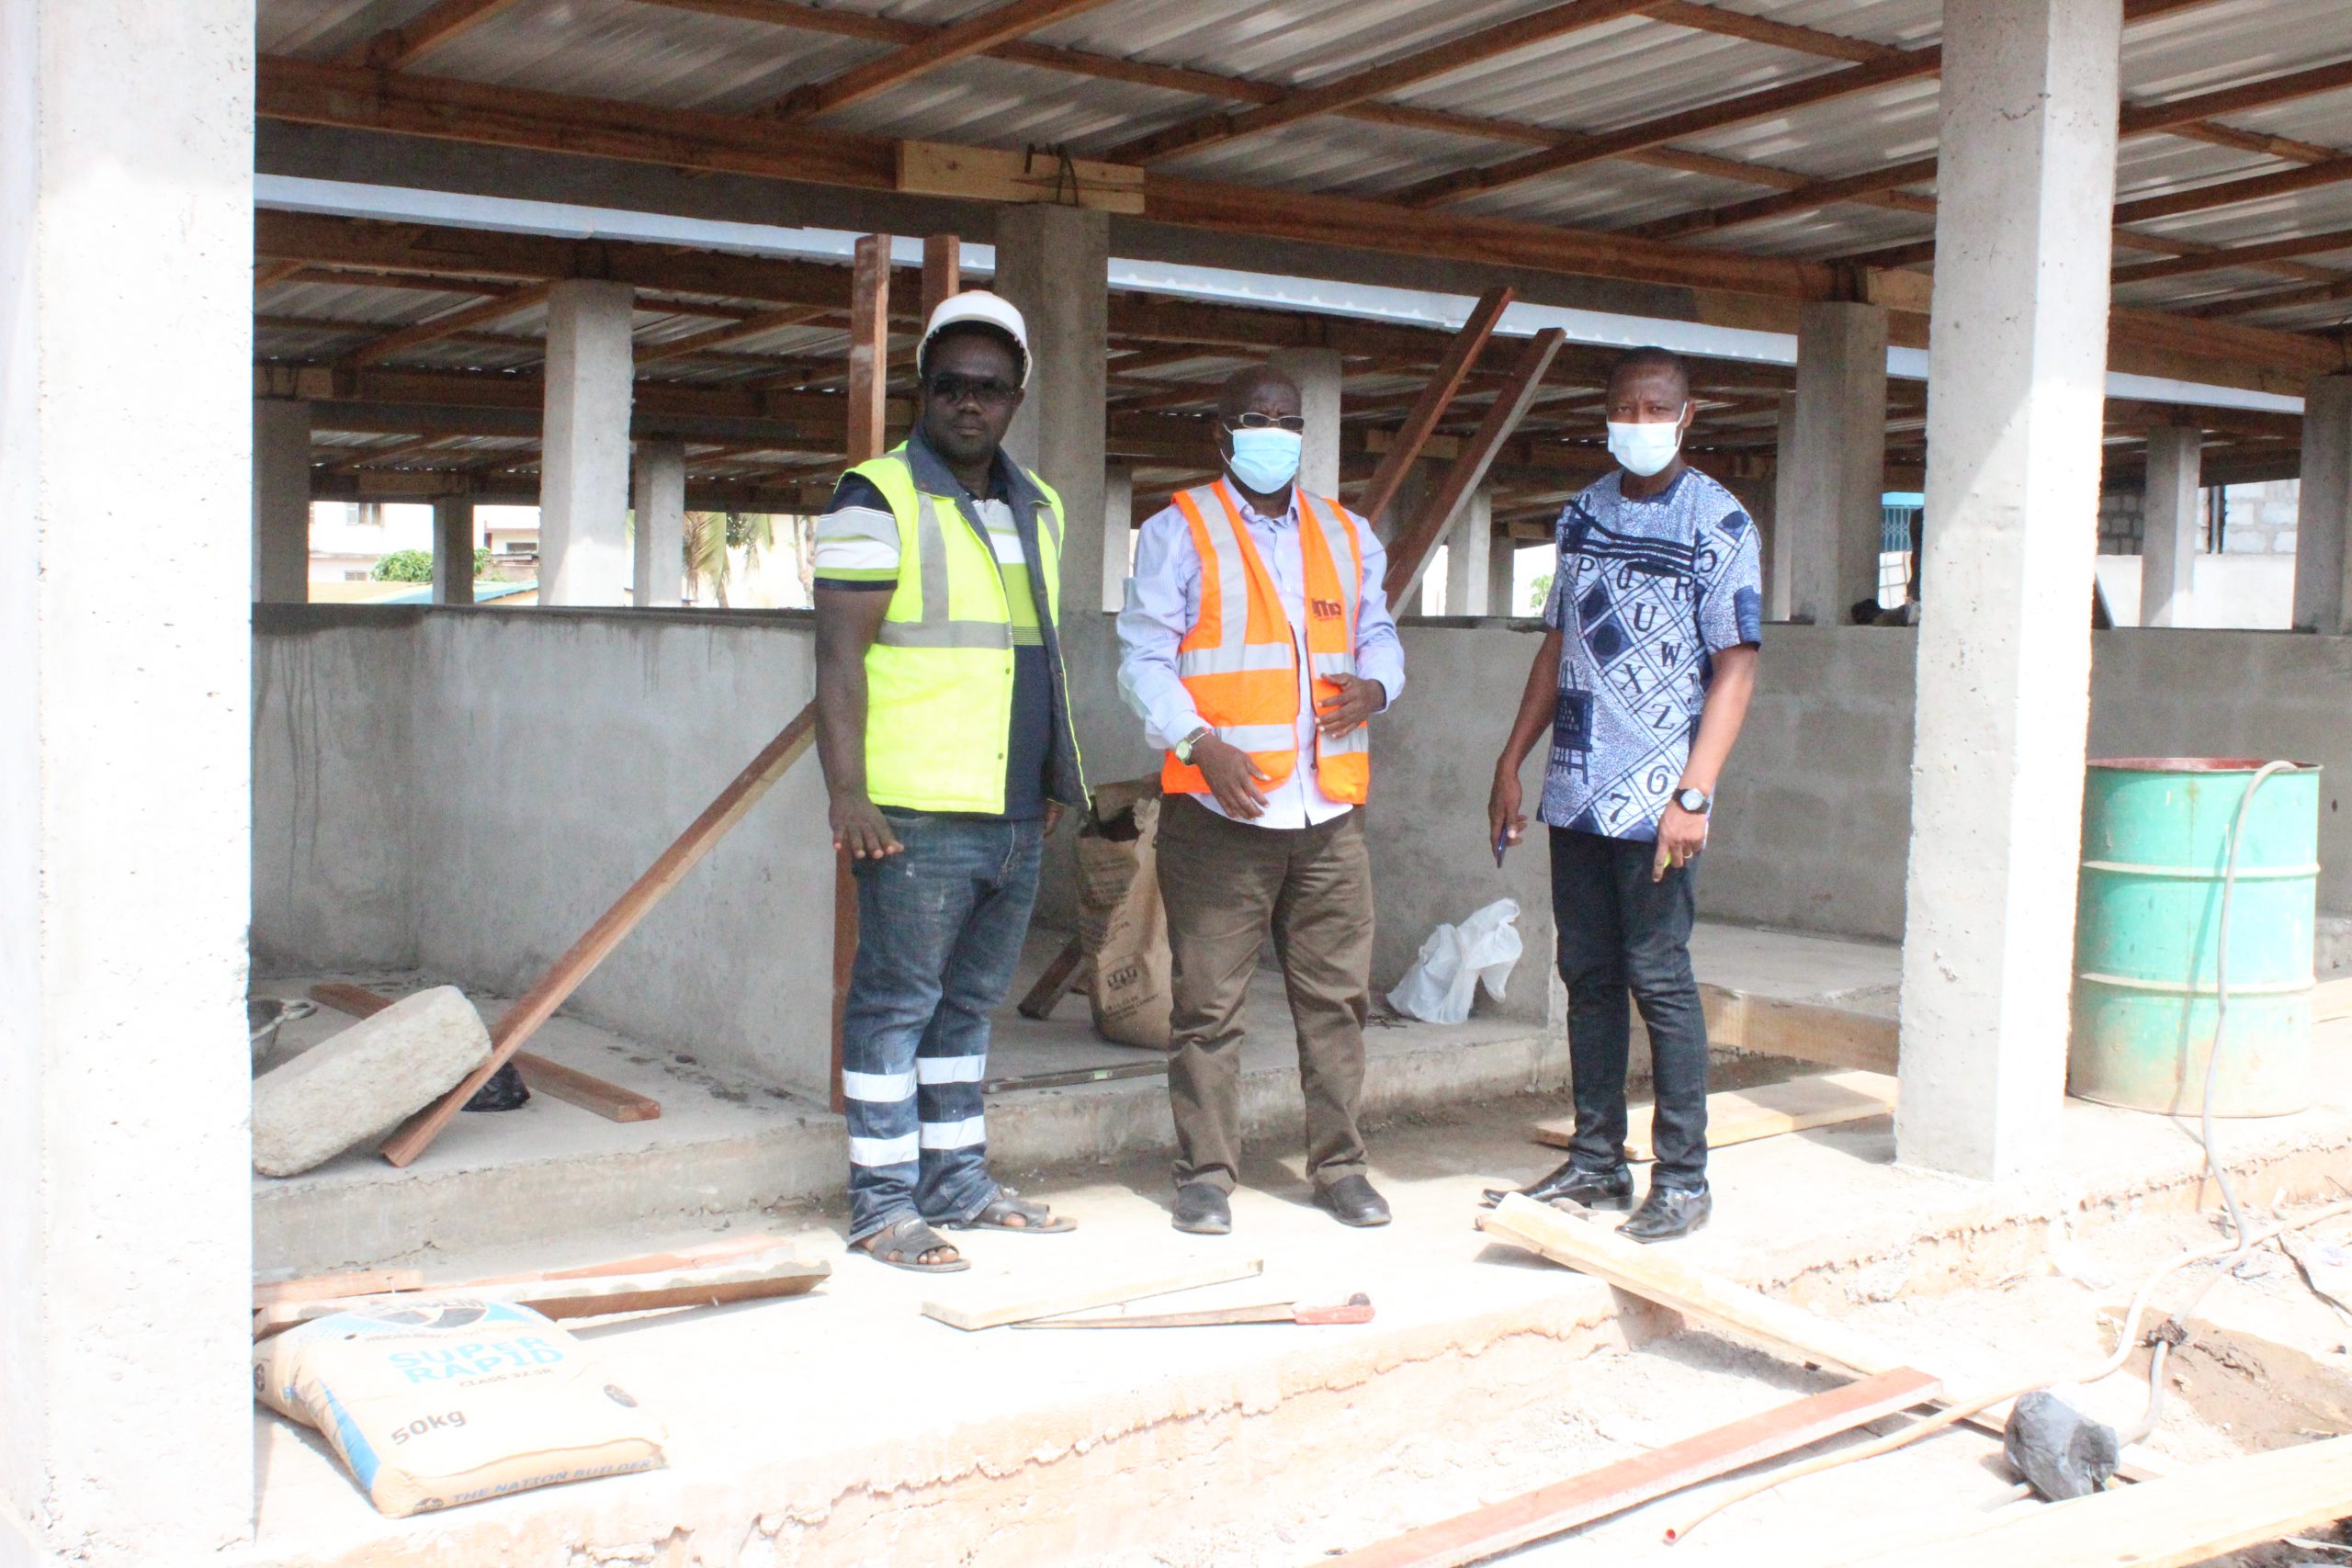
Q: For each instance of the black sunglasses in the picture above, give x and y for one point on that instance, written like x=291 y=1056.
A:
x=951 y=389
x=1293 y=422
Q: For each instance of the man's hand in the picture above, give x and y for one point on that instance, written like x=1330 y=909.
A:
x=1503 y=814
x=1353 y=705
x=1681 y=836
x=1231 y=773
x=860 y=828
x=1053 y=817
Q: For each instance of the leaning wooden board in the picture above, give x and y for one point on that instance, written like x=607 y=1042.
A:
x=1744 y=1115
x=1035 y=1303
x=553 y=1079
x=2191 y=1517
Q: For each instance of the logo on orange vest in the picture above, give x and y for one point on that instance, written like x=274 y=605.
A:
x=1327 y=609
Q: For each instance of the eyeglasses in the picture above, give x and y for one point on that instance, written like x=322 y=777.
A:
x=1293 y=422
x=951 y=389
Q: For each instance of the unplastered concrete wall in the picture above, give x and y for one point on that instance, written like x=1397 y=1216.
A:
x=465 y=790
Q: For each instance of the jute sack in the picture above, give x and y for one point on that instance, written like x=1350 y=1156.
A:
x=450 y=1400
x=1121 y=928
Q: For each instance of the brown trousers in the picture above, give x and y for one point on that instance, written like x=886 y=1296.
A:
x=1224 y=883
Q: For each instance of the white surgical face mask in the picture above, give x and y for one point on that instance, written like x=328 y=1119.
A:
x=1266 y=461
x=1646 y=449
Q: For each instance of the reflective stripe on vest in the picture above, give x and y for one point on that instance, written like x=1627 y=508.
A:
x=1239 y=662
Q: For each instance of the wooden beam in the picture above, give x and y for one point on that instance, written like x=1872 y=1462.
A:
x=1431 y=401
x=1471 y=48
x=392 y=344
x=1503 y=1528
x=2237 y=256
x=2254 y=304
x=1025 y=1304
x=1821 y=193
x=2261 y=142
x=2229 y=193
x=2138 y=119
x=943 y=272
x=973 y=35
x=1409 y=557
x=538 y=1004
x=1764 y=29
x=1902 y=66
x=734 y=331
x=397 y=47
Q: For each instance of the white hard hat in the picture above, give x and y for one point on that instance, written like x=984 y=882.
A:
x=977 y=306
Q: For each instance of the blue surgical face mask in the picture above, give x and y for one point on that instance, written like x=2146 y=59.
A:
x=1645 y=449
x=1266 y=461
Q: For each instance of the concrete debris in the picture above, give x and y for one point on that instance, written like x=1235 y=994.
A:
x=359 y=1085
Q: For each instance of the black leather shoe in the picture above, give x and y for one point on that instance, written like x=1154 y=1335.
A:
x=1669 y=1213
x=1589 y=1189
x=1204 y=1210
x=1352 y=1201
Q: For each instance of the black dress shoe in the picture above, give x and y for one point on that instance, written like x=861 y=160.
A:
x=1352 y=1201
x=1592 y=1189
x=1669 y=1213
x=1204 y=1210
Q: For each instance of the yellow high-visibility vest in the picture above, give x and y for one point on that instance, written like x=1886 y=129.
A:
x=939 y=676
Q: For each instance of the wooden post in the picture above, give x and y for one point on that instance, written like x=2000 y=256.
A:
x=1430 y=406
x=1408 y=556
x=536 y=1006
x=869 y=367
x=943 y=271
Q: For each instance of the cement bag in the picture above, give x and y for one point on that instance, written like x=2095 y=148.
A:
x=451 y=1400
x=1455 y=961
x=1121 y=928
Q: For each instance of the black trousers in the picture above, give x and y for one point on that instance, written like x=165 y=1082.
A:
x=1620 y=932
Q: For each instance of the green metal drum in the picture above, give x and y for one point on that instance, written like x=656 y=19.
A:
x=2155 y=843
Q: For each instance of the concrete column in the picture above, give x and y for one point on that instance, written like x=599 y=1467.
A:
x=657 y=500
x=1835 y=459
x=126 y=1177
x=2168 y=549
x=584 y=473
x=1054 y=262
x=1118 y=533
x=1316 y=371
x=1469 y=557
x=1502 y=578
x=2323 y=514
x=453 y=549
x=2020 y=333
x=1780 y=567
x=281 y=485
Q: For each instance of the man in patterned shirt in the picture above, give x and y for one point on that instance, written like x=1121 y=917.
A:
x=1643 y=682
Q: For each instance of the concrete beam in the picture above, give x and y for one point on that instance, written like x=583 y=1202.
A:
x=658 y=501
x=584 y=473
x=2028 y=136
x=453 y=549
x=125 y=1273
x=1316 y=371
x=281 y=487
x=1469 y=557
x=2170 y=524
x=1836 y=460
x=2323 y=517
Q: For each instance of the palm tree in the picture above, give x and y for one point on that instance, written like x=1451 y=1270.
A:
x=710 y=535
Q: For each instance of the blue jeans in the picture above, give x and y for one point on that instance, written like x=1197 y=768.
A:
x=1619 y=932
x=939 y=930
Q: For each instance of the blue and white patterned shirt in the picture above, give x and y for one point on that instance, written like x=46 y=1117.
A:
x=1645 y=594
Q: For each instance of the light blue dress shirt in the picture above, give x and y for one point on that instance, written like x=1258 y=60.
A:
x=1164 y=602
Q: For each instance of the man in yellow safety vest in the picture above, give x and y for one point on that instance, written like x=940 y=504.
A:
x=1256 y=644
x=944 y=730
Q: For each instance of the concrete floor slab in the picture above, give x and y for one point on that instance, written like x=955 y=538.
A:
x=845 y=1427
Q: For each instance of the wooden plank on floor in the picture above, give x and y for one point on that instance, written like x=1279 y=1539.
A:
x=1033 y=1304
x=327 y=1287
x=2192 y=1516
x=1809 y=1032
x=1744 y=1115
x=1547 y=1511
x=778 y=1272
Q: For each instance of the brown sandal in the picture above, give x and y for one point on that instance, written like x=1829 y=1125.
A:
x=905 y=1244
x=1010 y=1212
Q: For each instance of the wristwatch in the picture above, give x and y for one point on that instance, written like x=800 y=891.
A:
x=1694 y=801
x=1183 y=748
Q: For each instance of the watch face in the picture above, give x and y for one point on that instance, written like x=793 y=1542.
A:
x=1690 y=799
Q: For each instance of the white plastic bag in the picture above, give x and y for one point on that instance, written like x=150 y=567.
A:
x=1455 y=961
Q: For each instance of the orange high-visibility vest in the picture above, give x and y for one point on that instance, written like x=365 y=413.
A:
x=1241 y=659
